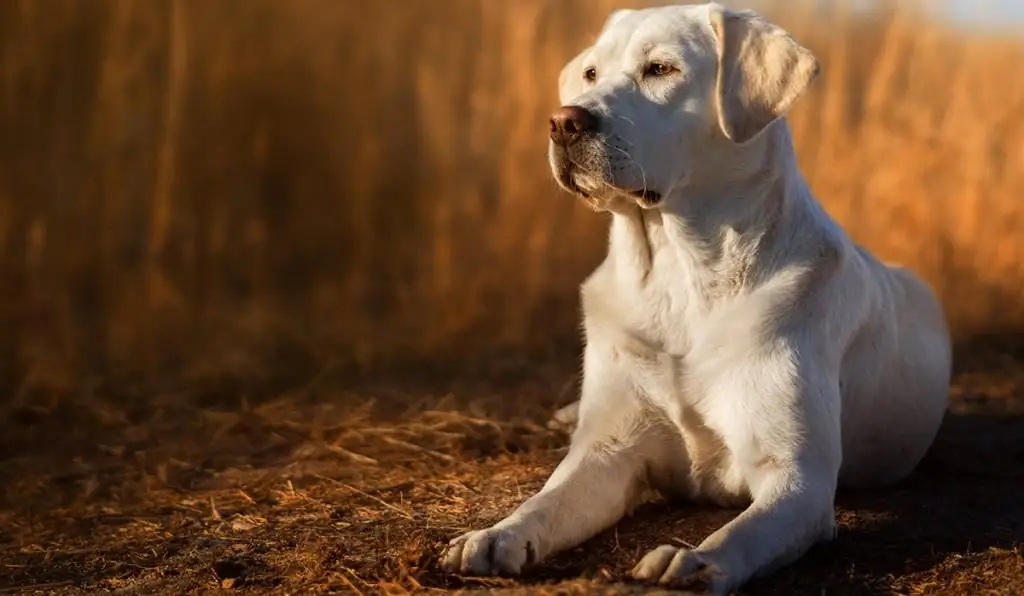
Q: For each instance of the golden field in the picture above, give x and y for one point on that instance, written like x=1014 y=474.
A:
x=183 y=182
x=287 y=293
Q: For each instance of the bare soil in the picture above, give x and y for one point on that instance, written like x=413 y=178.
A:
x=353 y=485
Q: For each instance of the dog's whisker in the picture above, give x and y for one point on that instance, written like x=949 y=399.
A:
x=599 y=179
x=629 y=160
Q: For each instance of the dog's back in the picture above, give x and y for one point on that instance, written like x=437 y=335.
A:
x=895 y=376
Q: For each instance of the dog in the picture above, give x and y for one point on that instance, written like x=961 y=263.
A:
x=741 y=349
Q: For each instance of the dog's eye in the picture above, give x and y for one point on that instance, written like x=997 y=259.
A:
x=590 y=75
x=658 y=69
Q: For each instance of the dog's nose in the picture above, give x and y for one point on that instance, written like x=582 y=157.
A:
x=569 y=123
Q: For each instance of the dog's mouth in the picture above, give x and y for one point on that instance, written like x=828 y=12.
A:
x=576 y=188
x=646 y=196
x=568 y=180
x=594 y=191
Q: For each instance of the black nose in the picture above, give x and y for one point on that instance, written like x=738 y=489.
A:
x=569 y=123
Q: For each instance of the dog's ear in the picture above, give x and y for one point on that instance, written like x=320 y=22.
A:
x=762 y=71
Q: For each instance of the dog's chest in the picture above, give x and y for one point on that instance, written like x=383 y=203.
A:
x=713 y=474
x=653 y=327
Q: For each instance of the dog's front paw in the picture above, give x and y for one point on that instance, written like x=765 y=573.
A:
x=495 y=551
x=683 y=568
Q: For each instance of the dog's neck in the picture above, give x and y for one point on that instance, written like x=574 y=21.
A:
x=722 y=222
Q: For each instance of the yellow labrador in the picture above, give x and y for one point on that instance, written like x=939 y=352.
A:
x=740 y=349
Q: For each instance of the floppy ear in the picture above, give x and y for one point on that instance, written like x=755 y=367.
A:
x=762 y=71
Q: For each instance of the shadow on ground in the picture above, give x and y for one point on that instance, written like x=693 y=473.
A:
x=955 y=526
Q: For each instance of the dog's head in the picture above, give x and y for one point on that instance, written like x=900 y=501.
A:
x=661 y=90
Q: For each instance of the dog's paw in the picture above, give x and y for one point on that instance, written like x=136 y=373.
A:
x=681 y=568
x=495 y=551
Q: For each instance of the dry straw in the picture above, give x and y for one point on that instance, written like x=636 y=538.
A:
x=360 y=175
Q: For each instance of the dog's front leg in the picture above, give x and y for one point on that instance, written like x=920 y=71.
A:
x=600 y=479
x=783 y=434
x=791 y=514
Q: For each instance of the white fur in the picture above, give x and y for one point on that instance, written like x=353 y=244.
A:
x=740 y=349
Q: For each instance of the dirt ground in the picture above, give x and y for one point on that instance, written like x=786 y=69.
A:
x=354 y=485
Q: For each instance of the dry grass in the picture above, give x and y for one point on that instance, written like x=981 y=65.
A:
x=247 y=246
x=179 y=175
x=356 y=488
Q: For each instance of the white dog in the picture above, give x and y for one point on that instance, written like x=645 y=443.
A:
x=740 y=349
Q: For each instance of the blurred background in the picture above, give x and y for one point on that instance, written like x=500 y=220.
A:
x=287 y=291
x=246 y=193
